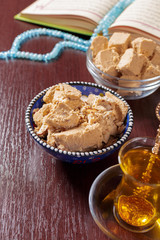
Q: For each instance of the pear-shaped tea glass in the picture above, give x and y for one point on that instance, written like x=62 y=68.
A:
x=137 y=197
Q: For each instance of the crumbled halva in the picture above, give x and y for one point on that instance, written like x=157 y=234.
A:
x=85 y=128
x=61 y=91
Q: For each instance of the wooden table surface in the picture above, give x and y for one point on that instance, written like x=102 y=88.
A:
x=42 y=198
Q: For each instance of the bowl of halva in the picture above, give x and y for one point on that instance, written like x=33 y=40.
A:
x=79 y=122
x=127 y=64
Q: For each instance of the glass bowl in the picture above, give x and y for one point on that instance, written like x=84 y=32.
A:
x=78 y=157
x=122 y=86
x=101 y=210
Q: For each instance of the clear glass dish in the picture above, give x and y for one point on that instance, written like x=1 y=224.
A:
x=129 y=89
x=102 y=211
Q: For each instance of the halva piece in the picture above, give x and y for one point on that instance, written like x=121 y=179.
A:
x=150 y=71
x=155 y=60
x=131 y=63
x=120 y=41
x=85 y=137
x=144 y=46
x=107 y=61
x=129 y=84
x=99 y=43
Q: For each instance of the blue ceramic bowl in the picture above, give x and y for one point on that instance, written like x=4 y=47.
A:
x=78 y=157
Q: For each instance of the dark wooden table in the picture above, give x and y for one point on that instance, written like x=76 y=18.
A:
x=42 y=198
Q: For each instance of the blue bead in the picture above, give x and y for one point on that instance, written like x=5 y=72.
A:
x=39 y=57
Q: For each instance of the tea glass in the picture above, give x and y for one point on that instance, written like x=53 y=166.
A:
x=137 y=197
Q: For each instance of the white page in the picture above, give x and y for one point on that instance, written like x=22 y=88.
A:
x=141 y=14
x=94 y=9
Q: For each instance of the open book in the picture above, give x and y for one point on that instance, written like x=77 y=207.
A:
x=82 y=16
x=142 y=17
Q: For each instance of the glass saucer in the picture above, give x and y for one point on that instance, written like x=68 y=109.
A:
x=102 y=213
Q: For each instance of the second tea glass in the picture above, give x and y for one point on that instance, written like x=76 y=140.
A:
x=137 y=198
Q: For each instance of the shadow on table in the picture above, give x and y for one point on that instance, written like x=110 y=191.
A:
x=81 y=176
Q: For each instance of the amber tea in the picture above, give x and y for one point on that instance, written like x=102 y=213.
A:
x=142 y=164
x=138 y=195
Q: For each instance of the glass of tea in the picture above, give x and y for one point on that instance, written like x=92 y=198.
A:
x=137 y=198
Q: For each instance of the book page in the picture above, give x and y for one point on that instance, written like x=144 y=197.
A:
x=143 y=15
x=93 y=9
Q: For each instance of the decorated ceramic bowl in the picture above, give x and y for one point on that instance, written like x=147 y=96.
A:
x=78 y=157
